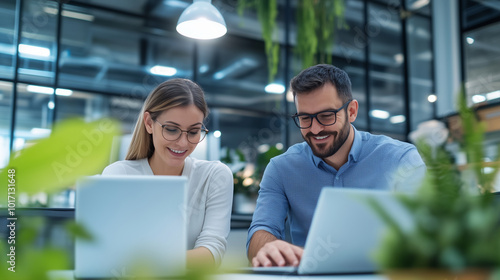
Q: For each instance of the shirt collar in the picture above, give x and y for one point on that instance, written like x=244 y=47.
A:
x=353 y=153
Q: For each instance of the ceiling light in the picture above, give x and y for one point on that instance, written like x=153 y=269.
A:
x=201 y=20
x=399 y=58
x=379 y=114
x=176 y=4
x=49 y=90
x=51 y=105
x=163 y=70
x=32 y=50
x=432 y=98
x=40 y=131
x=217 y=134
x=478 y=98
x=470 y=40
x=204 y=68
x=397 y=119
x=275 y=88
x=64 y=92
x=493 y=95
x=70 y=14
x=418 y=4
x=236 y=68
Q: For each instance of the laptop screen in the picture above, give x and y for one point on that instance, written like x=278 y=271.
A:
x=137 y=224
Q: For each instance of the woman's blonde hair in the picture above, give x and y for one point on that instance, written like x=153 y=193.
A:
x=167 y=95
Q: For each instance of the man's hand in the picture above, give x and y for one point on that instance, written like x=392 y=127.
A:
x=278 y=253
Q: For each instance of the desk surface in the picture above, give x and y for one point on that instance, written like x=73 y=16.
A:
x=68 y=275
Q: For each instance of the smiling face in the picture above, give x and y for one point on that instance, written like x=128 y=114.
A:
x=168 y=155
x=326 y=141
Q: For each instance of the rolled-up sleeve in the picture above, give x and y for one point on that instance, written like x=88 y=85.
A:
x=272 y=205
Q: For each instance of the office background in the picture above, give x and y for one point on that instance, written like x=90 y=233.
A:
x=94 y=59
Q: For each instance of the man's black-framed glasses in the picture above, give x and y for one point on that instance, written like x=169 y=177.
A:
x=173 y=133
x=326 y=118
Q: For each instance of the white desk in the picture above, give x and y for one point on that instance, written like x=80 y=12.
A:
x=68 y=275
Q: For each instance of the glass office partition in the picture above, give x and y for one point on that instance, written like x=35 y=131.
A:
x=119 y=53
x=236 y=77
x=477 y=13
x=33 y=114
x=37 y=45
x=7 y=35
x=420 y=60
x=349 y=54
x=482 y=64
x=386 y=70
x=5 y=122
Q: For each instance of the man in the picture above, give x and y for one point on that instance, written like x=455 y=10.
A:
x=334 y=154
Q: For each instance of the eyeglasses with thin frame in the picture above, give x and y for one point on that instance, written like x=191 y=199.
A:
x=326 y=118
x=173 y=133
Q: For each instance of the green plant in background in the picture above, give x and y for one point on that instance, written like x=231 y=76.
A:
x=263 y=160
x=267 y=12
x=456 y=227
x=234 y=157
x=74 y=149
x=317 y=21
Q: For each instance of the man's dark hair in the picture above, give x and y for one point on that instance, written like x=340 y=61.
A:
x=317 y=76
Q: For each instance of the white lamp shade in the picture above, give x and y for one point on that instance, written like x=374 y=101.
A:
x=201 y=20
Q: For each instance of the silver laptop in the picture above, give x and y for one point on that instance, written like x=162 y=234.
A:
x=345 y=231
x=137 y=224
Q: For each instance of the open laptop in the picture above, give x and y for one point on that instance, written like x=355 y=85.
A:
x=137 y=224
x=344 y=232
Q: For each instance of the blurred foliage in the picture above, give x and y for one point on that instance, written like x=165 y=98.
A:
x=263 y=160
x=74 y=149
x=267 y=12
x=32 y=261
x=316 y=20
x=456 y=227
x=234 y=157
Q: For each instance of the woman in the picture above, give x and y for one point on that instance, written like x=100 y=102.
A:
x=169 y=128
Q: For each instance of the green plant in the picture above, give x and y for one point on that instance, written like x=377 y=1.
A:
x=267 y=11
x=316 y=25
x=456 y=227
x=317 y=21
x=248 y=182
x=75 y=148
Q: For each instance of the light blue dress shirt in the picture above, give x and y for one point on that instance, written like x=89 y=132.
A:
x=292 y=181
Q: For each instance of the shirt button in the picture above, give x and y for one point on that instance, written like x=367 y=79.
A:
x=336 y=178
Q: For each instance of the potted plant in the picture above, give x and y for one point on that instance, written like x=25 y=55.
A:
x=456 y=231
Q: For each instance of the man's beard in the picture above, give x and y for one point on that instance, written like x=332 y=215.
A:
x=339 y=138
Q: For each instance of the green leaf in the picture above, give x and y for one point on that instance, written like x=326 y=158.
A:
x=74 y=149
x=78 y=231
